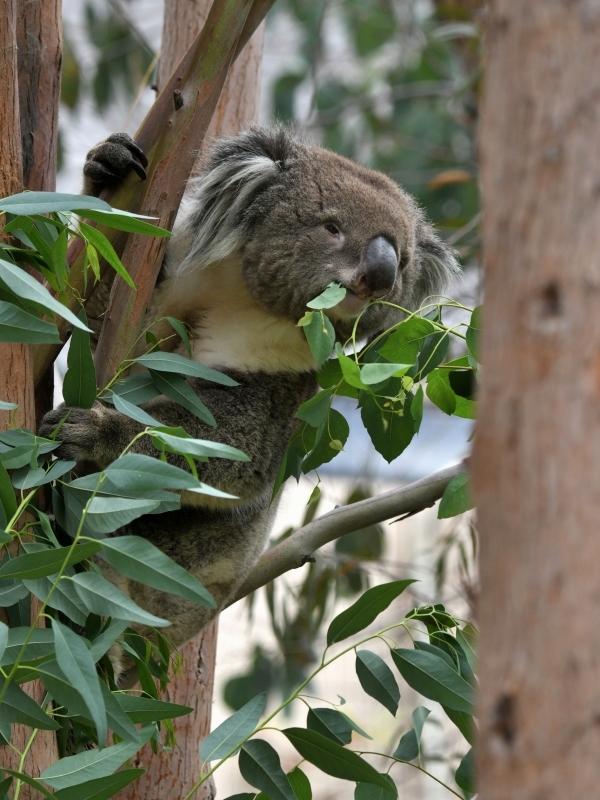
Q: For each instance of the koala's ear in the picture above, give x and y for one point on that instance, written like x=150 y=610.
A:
x=237 y=170
x=436 y=265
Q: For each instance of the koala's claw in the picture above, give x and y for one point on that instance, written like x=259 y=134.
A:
x=79 y=435
x=111 y=160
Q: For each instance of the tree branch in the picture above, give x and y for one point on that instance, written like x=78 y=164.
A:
x=296 y=550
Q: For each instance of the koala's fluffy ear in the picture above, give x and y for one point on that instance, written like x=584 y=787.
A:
x=237 y=170
x=436 y=265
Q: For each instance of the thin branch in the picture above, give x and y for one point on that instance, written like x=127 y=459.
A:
x=295 y=551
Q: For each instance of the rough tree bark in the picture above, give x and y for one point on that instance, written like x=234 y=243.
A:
x=537 y=453
x=173 y=774
x=29 y=95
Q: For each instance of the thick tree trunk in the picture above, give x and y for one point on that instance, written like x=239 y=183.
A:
x=35 y=76
x=537 y=454
x=173 y=774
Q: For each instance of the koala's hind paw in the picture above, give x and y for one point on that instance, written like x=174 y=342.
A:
x=110 y=161
x=80 y=435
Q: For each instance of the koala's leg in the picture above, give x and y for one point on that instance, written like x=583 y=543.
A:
x=109 y=162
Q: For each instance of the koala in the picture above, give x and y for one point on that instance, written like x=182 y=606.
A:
x=270 y=222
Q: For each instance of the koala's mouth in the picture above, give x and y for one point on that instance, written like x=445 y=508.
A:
x=351 y=306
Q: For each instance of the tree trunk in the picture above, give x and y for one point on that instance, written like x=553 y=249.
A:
x=537 y=452
x=33 y=122
x=173 y=774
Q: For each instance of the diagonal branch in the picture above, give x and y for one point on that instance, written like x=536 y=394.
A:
x=171 y=135
x=297 y=549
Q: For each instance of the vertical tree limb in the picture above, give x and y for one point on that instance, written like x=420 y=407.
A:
x=537 y=450
x=173 y=774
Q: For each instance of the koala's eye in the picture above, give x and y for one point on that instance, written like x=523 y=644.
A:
x=332 y=229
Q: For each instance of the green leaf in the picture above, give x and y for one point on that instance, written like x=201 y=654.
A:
x=182 y=332
x=456 y=498
x=416 y=408
x=465 y=776
x=64 y=597
x=41 y=643
x=351 y=371
x=199 y=448
x=432 y=353
x=101 y=788
x=123 y=221
x=134 y=472
x=229 y=734
x=179 y=390
x=23 y=285
x=47 y=562
x=117 y=719
x=106 y=514
x=315 y=410
x=366 y=609
x=464 y=722
x=138 y=414
x=332 y=758
x=473 y=333
x=146 y=709
x=19 y=707
x=330 y=440
x=300 y=784
x=330 y=723
x=79 y=385
x=3 y=639
x=61 y=689
x=134 y=389
x=389 y=423
x=76 y=661
x=467 y=638
x=28 y=780
x=7 y=495
x=440 y=392
x=4 y=787
x=11 y=592
x=463 y=384
x=28 y=203
x=92 y=764
x=5 y=406
x=320 y=336
x=377 y=680
x=104 y=640
x=39 y=477
x=329 y=298
x=403 y=345
x=243 y=796
x=366 y=791
x=102 y=598
x=432 y=677
x=260 y=766
x=98 y=240
x=381 y=371
x=173 y=362
x=139 y=559
x=17 y=325
x=408 y=747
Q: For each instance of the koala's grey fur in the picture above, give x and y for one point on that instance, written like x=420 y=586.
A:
x=252 y=246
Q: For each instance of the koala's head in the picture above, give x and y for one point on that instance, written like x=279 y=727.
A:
x=301 y=217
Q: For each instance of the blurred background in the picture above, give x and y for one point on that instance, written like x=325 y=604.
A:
x=392 y=84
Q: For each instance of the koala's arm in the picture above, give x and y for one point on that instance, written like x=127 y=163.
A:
x=257 y=418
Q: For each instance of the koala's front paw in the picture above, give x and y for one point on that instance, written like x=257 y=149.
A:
x=81 y=435
x=110 y=161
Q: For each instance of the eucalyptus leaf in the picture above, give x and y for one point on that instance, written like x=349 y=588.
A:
x=381 y=371
x=76 y=661
x=389 y=423
x=332 y=758
x=260 y=766
x=300 y=784
x=123 y=221
x=133 y=412
x=366 y=791
x=329 y=298
x=102 y=598
x=6 y=406
x=47 y=562
x=229 y=734
x=146 y=709
x=440 y=392
x=135 y=389
x=4 y=629
x=331 y=438
x=365 y=610
x=100 y=788
x=41 y=643
x=17 y=325
x=98 y=240
x=200 y=447
x=28 y=203
x=19 y=707
x=139 y=559
x=330 y=723
x=403 y=345
x=92 y=764
x=465 y=775
x=457 y=497
x=134 y=472
x=79 y=384
x=24 y=285
x=473 y=333
x=320 y=336
x=176 y=388
x=315 y=410
x=105 y=639
x=173 y=362
x=105 y=514
x=377 y=680
x=432 y=677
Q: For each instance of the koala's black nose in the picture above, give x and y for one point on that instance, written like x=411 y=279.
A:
x=378 y=269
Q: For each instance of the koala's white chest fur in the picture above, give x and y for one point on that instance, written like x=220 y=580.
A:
x=231 y=330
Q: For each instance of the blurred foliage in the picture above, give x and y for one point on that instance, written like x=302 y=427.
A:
x=121 y=56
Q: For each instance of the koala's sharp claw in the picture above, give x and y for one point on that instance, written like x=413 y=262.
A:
x=138 y=168
x=110 y=161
